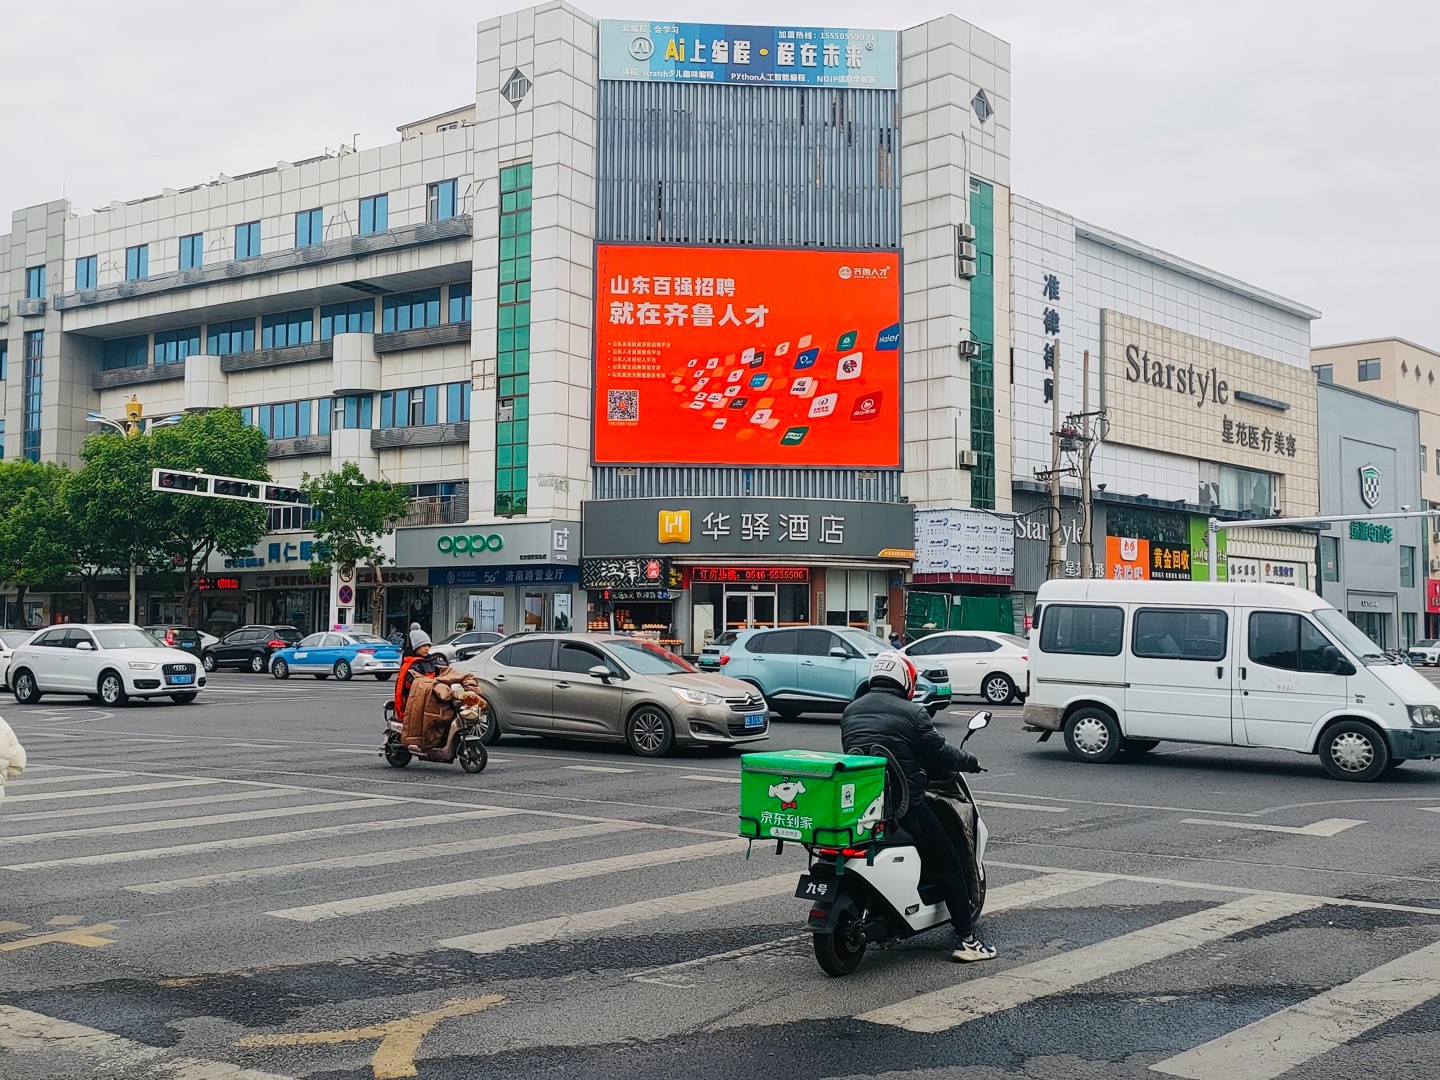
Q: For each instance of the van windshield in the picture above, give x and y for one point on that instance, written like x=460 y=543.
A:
x=1351 y=637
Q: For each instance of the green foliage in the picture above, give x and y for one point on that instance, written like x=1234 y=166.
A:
x=36 y=539
x=352 y=514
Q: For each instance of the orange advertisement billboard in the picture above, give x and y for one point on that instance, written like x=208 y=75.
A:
x=747 y=356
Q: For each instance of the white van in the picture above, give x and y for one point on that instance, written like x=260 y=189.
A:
x=1120 y=666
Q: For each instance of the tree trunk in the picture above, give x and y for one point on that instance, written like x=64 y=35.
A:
x=377 y=602
x=20 y=606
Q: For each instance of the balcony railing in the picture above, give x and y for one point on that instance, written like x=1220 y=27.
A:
x=136 y=376
x=340 y=248
x=421 y=435
x=304 y=446
x=424 y=338
x=440 y=510
x=265 y=358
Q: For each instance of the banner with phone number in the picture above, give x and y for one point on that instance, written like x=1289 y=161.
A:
x=747 y=356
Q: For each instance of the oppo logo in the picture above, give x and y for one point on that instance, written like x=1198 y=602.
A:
x=474 y=544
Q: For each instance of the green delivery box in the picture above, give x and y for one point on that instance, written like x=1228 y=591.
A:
x=809 y=797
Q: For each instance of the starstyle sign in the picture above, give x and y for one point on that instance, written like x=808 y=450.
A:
x=1203 y=386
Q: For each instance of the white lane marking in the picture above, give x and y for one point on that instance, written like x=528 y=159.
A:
x=711 y=779
x=1290 y=1038
x=90 y=793
x=944 y=1009
x=1430 y=809
x=348 y=750
x=1329 y=827
x=595 y=768
x=26 y=782
x=28 y=1032
x=388 y=857
x=49 y=735
x=196 y=822
x=667 y=975
x=162 y=804
x=522 y=879
x=589 y=922
x=1024 y=806
x=236 y=843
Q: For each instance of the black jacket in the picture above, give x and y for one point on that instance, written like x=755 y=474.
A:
x=887 y=718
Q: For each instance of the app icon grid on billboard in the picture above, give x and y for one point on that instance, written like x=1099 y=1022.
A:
x=747 y=356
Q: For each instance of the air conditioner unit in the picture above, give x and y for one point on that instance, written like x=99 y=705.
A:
x=505 y=413
x=966 y=459
x=964 y=233
x=965 y=251
x=965 y=268
x=1275 y=503
x=1435 y=564
x=969 y=349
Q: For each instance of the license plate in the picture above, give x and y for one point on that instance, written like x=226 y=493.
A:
x=181 y=680
x=943 y=689
x=813 y=888
x=389 y=663
x=755 y=720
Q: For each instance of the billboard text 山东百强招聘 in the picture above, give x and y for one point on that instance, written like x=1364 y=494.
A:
x=747 y=356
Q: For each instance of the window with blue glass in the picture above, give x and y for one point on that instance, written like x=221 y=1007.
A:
x=2 y=439
x=356 y=411
x=4 y=359
x=126 y=352
x=32 y=397
x=440 y=201
x=227 y=338
x=410 y=311
x=35 y=283
x=137 y=262
x=247 y=240
x=192 y=251
x=374 y=214
x=512 y=343
x=290 y=419
x=309 y=227
x=356 y=317
x=173 y=346
x=85 y=272
x=287 y=328
x=460 y=302
x=415 y=407
x=457 y=402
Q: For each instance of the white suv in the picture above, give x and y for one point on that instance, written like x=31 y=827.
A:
x=109 y=664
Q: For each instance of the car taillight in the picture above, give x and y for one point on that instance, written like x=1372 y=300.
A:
x=1025 y=657
x=277 y=644
x=169 y=640
x=366 y=652
x=724 y=659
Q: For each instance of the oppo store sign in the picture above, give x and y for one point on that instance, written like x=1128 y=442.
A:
x=458 y=544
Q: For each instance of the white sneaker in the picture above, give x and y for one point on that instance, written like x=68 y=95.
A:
x=970 y=950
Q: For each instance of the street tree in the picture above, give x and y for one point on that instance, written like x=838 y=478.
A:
x=112 y=511
x=36 y=539
x=353 y=514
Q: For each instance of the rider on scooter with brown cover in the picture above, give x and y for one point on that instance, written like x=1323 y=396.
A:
x=429 y=693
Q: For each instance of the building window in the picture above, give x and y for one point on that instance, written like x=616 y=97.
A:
x=410 y=311
x=130 y=352
x=440 y=201
x=410 y=408
x=1329 y=558
x=1325 y=373
x=1424 y=458
x=247 y=240
x=1369 y=370
x=290 y=518
x=85 y=271
x=460 y=302
x=32 y=398
x=35 y=283
x=982 y=369
x=1437 y=458
x=137 y=262
x=288 y=328
x=309 y=228
x=228 y=338
x=2 y=440
x=457 y=402
x=1246 y=489
x=1407 y=567
x=192 y=251
x=4 y=359
x=290 y=419
x=357 y=317
x=512 y=342
x=173 y=346
x=356 y=411
x=374 y=214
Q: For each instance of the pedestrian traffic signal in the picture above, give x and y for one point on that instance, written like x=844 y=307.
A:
x=275 y=493
x=174 y=480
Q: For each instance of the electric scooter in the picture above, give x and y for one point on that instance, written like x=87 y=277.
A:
x=877 y=893
x=462 y=742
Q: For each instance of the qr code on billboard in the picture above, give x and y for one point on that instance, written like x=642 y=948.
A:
x=623 y=404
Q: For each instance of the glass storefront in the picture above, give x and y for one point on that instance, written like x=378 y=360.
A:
x=851 y=596
x=304 y=609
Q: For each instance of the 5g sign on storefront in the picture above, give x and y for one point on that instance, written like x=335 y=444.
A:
x=471 y=544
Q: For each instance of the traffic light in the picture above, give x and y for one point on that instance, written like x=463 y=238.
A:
x=882 y=607
x=275 y=493
x=173 y=480
x=237 y=488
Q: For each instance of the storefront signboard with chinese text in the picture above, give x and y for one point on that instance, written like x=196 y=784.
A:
x=648 y=574
x=964 y=546
x=1249 y=571
x=749 y=575
x=747 y=356
x=542 y=542
x=503 y=575
x=637 y=50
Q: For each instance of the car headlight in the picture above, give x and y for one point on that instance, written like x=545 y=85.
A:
x=696 y=697
x=1425 y=715
x=142 y=665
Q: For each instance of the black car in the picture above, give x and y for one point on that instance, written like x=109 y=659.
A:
x=249 y=648
x=178 y=637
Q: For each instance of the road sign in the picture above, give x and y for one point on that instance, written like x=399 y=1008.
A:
x=347 y=595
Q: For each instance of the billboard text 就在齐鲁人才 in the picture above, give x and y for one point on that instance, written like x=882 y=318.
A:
x=726 y=356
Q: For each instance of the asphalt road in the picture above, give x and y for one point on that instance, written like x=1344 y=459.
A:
x=243 y=889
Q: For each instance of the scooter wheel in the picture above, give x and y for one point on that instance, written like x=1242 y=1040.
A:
x=396 y=754
x=473 y=756
x=840 y=951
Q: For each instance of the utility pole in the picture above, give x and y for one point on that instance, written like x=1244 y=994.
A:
x=1087 y=498
x=1053 y=568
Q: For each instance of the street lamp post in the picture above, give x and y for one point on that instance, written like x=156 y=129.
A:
x=133 y=424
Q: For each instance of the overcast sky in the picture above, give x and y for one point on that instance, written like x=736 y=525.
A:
x=1290 y=143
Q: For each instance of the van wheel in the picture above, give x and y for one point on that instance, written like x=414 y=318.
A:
x=1139 y=746
x=1351 y=750
x=1092 y=735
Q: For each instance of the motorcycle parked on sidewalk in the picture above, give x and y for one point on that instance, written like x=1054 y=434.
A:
x=877 y=894
x=462 y=742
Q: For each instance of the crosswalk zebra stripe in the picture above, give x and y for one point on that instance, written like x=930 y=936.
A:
x=589 y=922
x=1275 y=1045
x=522 y=879
x=235 y=843
x=388 y=857
x=253 y=795
x=170 y=824
x=95 y=793
x=952 y=1006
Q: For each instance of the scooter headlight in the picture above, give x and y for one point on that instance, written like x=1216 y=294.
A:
x=1425 y=715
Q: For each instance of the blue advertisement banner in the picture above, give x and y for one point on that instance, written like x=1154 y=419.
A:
x=505 y=575
x=634 y=51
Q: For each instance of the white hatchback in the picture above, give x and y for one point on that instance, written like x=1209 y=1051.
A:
x=993 y=666
x=107 y=663
x=10 y=640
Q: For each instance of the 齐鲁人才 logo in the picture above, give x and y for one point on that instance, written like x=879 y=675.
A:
x=872 y=273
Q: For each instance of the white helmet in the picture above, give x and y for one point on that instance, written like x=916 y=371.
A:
x=894 y=668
